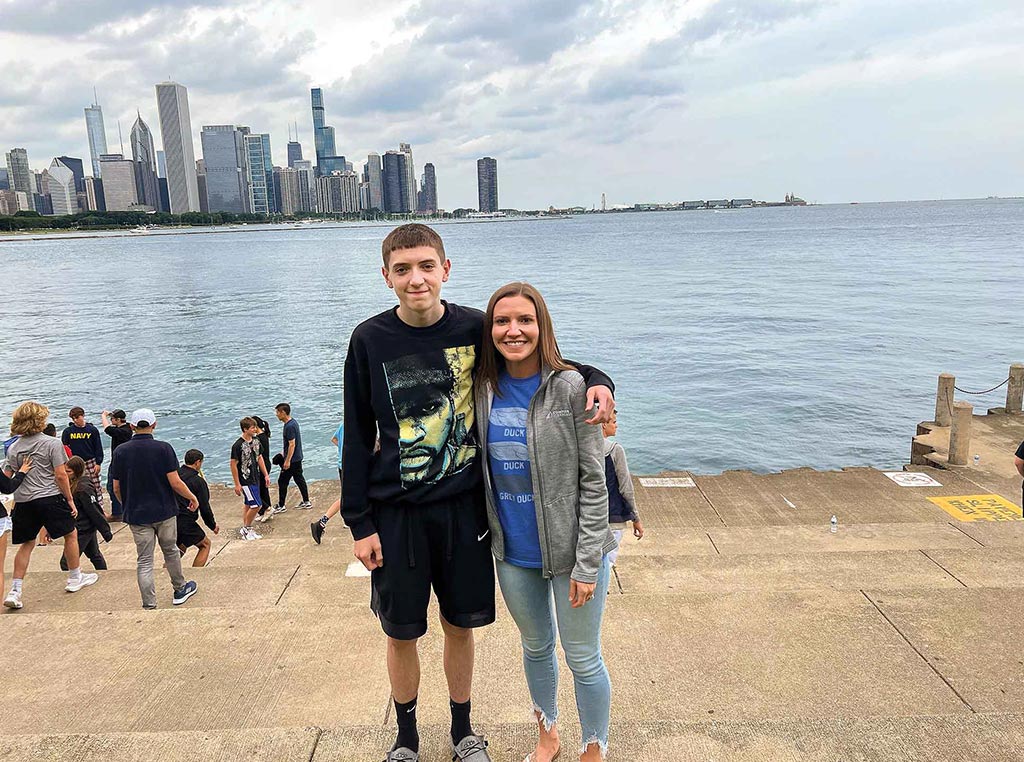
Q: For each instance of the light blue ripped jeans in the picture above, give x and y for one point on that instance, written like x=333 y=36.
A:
x=529 y=599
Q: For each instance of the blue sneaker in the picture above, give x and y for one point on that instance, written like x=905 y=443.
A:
x=185 y=592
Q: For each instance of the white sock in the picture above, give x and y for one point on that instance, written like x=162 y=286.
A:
x=76 y=573
x=16 y=585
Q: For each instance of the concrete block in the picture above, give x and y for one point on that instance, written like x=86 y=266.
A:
x=818 y=539
x=984 y=567
x=970 y=636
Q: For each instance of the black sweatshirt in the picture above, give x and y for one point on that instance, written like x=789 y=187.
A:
x=414 y=387
x=198 y=486
x=90 y=517
x=84 y=442
x=7 y=486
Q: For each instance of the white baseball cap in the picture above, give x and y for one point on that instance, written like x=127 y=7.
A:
x=143 y=417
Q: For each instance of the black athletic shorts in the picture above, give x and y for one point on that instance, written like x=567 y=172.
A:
x=189 y=533
x=444 y=545
x=50 y=512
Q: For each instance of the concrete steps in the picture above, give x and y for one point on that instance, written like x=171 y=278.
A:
x=739 y=628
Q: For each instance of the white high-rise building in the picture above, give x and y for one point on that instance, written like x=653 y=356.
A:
x=176 y=136
x=97 y=135
x=60 y=182
x=410 y=171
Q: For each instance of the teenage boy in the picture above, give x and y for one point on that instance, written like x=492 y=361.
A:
x=190 y=534
x=417 y=503
x=115 y=426
x=291 y=466
x=84 y=440
x=247 y=471
x=146 y=481
x=42 y=500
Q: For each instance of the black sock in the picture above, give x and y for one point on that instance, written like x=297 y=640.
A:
x=323 y=521
x=407 y=733
x=460 y=721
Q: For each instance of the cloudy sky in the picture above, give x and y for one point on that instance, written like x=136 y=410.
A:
x=644 y=100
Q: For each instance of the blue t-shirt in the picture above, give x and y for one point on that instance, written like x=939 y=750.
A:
x=291 y=431
x=340 y=436
x=141 y=466
x=509 y=463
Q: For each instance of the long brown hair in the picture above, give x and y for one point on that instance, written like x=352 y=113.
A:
x=77 y=466
x=491 y=360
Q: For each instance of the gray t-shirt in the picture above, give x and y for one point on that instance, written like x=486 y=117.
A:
x=47 y=453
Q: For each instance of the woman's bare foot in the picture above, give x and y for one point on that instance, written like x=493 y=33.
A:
x=548 y=743
x=592 y=753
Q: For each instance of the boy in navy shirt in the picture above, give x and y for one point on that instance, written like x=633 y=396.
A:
x=84 y=440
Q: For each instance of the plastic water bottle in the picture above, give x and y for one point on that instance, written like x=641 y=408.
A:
x=977 y=460
x=833 y=524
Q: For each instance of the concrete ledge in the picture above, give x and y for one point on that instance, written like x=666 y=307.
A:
x=831 y=571
x=265 y=744
x=849 y=537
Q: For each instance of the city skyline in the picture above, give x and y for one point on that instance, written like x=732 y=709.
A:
x=644 y=100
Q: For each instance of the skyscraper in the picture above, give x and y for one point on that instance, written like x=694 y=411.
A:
x=286 y=184
x=410 y=181
x=338 y=193
x=119 y=189
x=61 y=186
x=294 y=152
x=395 y=179
x=5 y=180
x=77 y=168
x=97 y=135
x=144 y=156
x=204 y=200
x=176 y=136
x=323 y=136
x=227 y=168
x=20 y=175
x=260 y=168
x=372 y=176
x=428 y=190
x=487 y=184
x=307 y=186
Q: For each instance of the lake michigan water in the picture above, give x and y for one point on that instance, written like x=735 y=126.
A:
x=751 y=338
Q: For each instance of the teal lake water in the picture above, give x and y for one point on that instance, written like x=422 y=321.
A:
x=751 y=338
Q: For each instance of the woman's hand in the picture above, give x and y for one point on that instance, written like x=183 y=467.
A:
x=25 y=465
x=580 y=593
x=638 y=530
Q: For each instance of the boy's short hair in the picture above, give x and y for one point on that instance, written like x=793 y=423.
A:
x=284 y=407
x=247 y=423
x=76 y=411
x=410 y=237
x=193 y=456
x=50 y=430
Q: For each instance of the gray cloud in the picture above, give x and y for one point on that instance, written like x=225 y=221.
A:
x=59 y=18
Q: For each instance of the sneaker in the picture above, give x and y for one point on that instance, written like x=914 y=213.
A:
x=242 y=532
x=187 y=591
x=263 y=518
x=251 y=534
x=74 y=585
x=318 y=531
x=277 y=509
x=148 y=608
x=13 y=599
x=305 y=505
x=470 y=749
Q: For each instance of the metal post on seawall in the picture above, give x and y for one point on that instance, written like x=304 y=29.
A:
x=960 y=433
x=1015 y=389
x=944 y=399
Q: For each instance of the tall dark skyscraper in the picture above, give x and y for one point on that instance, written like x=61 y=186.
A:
x=77 y=168
x=395 y=178
x=144 y=156
x=227 y=167
x=323 y=136
x=294 y=152
x=487 y=183
x=428 y=190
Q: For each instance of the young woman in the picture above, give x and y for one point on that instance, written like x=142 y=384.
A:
x=90 y=519
x=547 y=507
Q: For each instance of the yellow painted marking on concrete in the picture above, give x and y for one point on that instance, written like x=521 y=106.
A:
x=978 y=508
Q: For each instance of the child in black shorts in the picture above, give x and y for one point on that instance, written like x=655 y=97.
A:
x=417 y=502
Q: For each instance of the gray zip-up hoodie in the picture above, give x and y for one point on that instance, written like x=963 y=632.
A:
x=567 y=468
